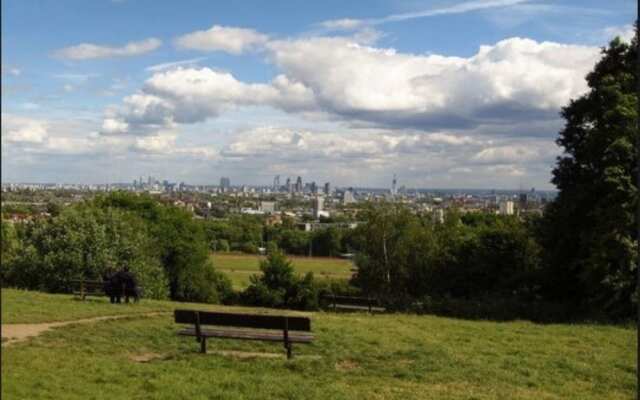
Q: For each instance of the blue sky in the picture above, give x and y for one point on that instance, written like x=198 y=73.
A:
x=347 y=92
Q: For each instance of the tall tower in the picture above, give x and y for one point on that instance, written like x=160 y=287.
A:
x=276 y=183
x=394 y=186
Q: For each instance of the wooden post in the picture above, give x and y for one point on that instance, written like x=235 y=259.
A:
x=203 y=345
x=82 y=295
x=199 y=337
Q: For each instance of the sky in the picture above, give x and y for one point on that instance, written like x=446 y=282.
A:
x=443 y=93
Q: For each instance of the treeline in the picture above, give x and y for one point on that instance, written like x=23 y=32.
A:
x=162 y=244
x=247 y=233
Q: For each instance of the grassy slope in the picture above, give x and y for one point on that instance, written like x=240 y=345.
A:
x=361 y=357
x=239 y=267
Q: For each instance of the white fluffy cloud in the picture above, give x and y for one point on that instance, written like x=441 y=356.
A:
x=503 y=81
x=222 y=38
x=16 y=129
x=87 y=51
x=516 y=79
x=193 y=95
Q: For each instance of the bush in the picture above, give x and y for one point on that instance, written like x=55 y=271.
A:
x=221 y=245
x=207 y=285
x=278 y=286
x=249 y=248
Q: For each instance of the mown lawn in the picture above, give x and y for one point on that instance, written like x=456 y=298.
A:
x=239 y=267
x=355 y=356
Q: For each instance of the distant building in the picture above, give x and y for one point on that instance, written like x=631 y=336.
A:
x=289 y=186
x=268 y=207
x=394 y=186
x=438 y=216
x=348 y=197
x=327 y=188
x=225 y=182
x=506 y=207
x=523 y=201
x=299 y=185
x=318 y=204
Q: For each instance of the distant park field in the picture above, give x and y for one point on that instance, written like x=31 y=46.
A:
x=239 y=267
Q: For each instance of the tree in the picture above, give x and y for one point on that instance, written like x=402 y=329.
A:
x=84 y=242
x=180 y=242
x=9 y=243
x=279 y=286
x=588 y=232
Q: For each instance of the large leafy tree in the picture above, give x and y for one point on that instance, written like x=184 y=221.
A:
x=84 y=242
x=589 y=230
x=180 y=242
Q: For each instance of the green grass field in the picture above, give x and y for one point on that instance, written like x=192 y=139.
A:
x=355 y=356
x=239 y=267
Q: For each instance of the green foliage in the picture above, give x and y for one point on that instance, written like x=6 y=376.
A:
x=279 y=286
x=403 y=257
x=162 y=244
x=327 y=242
x=181 y=243
x=83 y=243
x=8 y=242
x=291 y=240
x=240 y=232
x=589 y=231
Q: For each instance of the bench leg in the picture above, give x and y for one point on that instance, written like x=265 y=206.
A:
x=203 y=345
x=289 y=351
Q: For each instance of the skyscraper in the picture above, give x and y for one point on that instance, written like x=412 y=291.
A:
x=327 y=188
x=299 y=185
x=225 y=182
x=276 y=183
x=289 y=186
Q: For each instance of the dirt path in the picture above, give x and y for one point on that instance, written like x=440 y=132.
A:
x=14 y=333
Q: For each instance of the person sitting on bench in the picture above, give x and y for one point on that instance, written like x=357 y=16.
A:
x=121 y=283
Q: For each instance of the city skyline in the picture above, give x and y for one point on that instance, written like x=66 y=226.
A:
x=351 y=94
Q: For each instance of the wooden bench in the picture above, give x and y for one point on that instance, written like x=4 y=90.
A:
x=353 y=303
x=274 y=328
x=88 y=288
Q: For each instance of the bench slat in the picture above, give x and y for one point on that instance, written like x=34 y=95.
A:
x=248 y=335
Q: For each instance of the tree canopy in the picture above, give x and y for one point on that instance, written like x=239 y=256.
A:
x=589 y=231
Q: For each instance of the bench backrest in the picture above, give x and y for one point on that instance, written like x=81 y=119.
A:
x=258 y=321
